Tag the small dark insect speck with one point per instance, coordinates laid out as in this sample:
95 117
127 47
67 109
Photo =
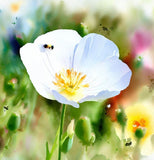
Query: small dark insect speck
45 46
48 46
128 144
104 28
6 107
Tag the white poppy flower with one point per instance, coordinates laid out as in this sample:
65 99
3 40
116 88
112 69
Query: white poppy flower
64 66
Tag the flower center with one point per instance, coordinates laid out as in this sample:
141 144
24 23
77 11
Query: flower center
70 83
139 124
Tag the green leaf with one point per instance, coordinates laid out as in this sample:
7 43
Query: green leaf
54 147
47 152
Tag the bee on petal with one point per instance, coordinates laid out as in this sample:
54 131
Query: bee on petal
49 46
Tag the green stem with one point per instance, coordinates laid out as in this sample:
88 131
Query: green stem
84 154
61 129
54 145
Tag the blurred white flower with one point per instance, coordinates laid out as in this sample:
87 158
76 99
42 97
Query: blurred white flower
71 69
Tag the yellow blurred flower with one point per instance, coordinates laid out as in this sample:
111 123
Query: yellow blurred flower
140 117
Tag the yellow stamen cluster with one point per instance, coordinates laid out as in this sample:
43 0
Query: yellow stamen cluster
69 83
139 124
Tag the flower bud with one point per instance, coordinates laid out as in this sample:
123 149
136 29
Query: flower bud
121 117
84 29
67 144
138 63
13 122
10 85
83 130
70 129
139 133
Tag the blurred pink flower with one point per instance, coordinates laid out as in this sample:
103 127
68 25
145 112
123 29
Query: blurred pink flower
140 41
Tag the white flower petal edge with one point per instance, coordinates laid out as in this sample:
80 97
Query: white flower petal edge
111 75
40 76
100 96
63 100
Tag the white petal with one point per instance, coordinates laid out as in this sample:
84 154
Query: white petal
64 42
93 49
100 96
39 73
110 75
63 100
98 58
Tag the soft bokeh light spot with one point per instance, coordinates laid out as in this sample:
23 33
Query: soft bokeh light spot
15 7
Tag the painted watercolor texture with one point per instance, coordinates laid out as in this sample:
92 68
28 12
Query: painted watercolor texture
77 80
